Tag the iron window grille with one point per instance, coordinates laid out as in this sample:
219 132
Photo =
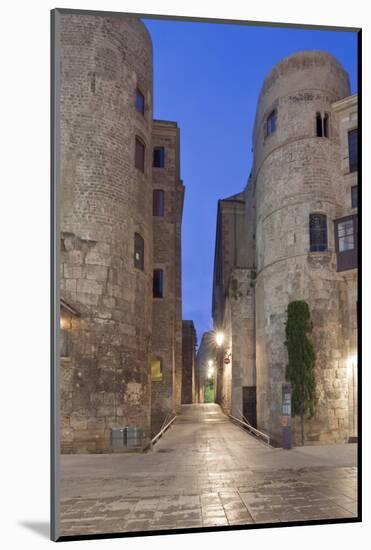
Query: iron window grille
318 232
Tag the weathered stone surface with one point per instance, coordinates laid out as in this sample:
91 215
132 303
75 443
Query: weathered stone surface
295 173
105 200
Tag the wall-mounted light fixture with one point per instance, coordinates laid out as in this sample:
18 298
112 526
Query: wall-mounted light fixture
219 338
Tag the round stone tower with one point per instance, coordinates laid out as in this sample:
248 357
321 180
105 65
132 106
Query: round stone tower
105 227
296 168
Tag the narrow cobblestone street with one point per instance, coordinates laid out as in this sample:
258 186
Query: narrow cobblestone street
205 471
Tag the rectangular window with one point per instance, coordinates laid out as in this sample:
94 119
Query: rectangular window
139 101
346 235
65 343
318 232
158 283
346 242
353 150
158 202
159 157
354 192
271 123
139 154
138 251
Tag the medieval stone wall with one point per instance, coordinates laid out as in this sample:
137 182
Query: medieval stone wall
296 173
105 200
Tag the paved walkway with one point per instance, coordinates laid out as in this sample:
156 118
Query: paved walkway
205 471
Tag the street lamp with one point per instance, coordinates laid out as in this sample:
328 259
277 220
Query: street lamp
219 338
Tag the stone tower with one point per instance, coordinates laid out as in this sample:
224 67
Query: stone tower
106 226
296 174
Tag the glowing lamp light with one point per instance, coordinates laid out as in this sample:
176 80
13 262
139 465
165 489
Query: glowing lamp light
219 338
210 372
351 362
210 363
65 323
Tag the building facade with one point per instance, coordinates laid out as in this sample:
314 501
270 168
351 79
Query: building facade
168 192
189 382
112 238
299 243
205 363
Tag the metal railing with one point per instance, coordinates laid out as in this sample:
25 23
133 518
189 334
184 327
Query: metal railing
165 425
246 424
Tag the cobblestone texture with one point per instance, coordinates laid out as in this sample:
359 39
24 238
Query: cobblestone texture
206 472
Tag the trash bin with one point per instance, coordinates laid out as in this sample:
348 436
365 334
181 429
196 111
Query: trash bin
117 437
133 437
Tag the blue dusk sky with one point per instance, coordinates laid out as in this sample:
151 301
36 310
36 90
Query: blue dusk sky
207 77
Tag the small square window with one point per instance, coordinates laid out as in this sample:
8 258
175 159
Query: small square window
139 101
354 192
158 283
159 157
139 154
271 123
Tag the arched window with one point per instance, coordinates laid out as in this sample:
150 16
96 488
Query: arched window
156 369
318 232
322 125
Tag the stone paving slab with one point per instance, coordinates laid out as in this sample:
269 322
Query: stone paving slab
206 472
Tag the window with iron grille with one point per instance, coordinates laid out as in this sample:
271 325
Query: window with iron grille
271 123
138 251
158 283
354 192
139 101
139 154
158 202
318 232
346 242
159 157
353 150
